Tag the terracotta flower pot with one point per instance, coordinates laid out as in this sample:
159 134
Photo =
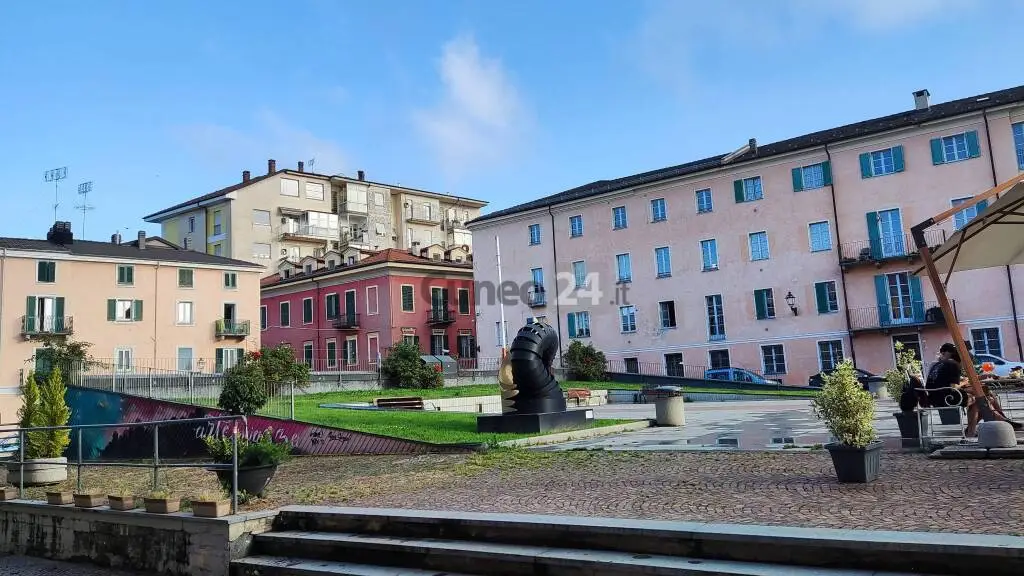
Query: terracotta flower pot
59 498
211 509
89 500
162 505
122 502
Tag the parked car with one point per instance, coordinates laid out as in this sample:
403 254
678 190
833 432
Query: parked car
739 375
1000 366
863 376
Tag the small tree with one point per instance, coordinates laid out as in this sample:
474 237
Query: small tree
249 385
28 414
897 377
72 357
847 410
406 368
585 362
52 411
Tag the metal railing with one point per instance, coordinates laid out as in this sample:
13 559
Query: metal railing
440 316
422 217
231 328
537 297
155 465
32 325
309 230
346 321
914 313
886 247
353 207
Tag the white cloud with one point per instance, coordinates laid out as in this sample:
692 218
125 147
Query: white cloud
883 15
480 118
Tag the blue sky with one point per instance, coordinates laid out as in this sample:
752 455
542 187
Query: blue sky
504 101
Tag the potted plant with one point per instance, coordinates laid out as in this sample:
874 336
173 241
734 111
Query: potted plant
257 460
89 499
59 498
122 499
211 505
8 493
848 412
162 502
43 405
896 379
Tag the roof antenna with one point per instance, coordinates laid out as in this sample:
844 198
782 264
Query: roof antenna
83 190
55 176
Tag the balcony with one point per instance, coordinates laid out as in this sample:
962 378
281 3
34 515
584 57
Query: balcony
916 314
885 249
346 321
32 326
231 328
440 316
306 232
421 217
537 298
359 208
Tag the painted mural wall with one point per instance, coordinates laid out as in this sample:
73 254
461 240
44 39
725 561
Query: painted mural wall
91 406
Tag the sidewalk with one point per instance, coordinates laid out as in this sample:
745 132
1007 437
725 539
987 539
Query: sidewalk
24 566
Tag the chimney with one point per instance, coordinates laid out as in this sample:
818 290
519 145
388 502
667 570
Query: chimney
753 146
115 238
361 175
302 166
142 239
271 166
246 175
921 99
60 233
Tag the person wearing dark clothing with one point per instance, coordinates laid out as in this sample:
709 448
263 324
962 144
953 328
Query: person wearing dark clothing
945 374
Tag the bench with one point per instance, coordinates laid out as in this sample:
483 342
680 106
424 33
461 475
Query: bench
399 403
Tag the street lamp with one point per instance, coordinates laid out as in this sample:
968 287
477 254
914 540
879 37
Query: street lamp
791 301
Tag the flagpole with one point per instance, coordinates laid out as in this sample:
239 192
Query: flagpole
501 303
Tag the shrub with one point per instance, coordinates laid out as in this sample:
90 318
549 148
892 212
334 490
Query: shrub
249 385
28 414
260 452
847 409
899 375
406 368
585 362
45 405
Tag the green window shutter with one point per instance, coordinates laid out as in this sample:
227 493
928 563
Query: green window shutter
882 298
30 310
219 361
826 172
58 314
239 354
51 268
874 236
798 179
571 323
897 158
737 187
982 205
111 310
937 156
136 310
131 274
760 304
917 298
821 297
973 148
865 165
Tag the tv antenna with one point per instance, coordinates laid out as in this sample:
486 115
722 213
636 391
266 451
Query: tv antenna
311 163
83 191
55 176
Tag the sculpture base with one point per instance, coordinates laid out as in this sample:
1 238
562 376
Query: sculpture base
533 423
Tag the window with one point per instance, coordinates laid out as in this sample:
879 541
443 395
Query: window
263 318
407 298
218 250
534 234
820 236
463 296
663 262
575 226
1018 143
774 358
124 359
289 187
185 359
764 304
307 310
674 364
718 359
748 189
46 272
704 203
332 353
955 148
227 358
186 278
124 310
372 302
667 312
987 341
498 334
579 273
231 280
307 353
881 162
216 223
314 191
627 318
759 246
125 275
659 213
191 224
624 267
709 254
830 354
812 177
825 297
961 218
579 324
378 199
186 312
632 365
260 250
716 317
186 243
332 306
260 217
537 276
286 314
618 217
308 268
350 352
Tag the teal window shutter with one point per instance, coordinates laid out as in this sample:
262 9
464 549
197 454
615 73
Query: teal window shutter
917 298
874 236
737 188
30 312
973 148
58 314
897 158
239 354
136 310
219 361
798 179
131 274
821 297
571 323
760 304
937 156
882 298
865 165
111 310
982 205
51 271
826 172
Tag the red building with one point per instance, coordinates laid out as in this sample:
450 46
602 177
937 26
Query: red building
341 316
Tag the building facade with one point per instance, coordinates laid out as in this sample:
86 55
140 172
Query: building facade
344 317
285 215
146 304
781 259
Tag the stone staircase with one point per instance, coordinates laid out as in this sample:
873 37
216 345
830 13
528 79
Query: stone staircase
315 541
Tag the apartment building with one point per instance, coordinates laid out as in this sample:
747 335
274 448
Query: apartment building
782 258
136 303
285 215
343 316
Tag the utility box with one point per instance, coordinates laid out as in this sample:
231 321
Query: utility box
449 366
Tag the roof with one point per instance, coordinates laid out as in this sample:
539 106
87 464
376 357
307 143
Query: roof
211 196
813 140
122 251
387 255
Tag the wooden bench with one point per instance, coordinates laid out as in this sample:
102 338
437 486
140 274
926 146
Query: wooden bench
400 403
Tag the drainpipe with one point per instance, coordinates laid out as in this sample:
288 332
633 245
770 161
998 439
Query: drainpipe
554 257
156 306
316 324
1009 276
3 281
842 273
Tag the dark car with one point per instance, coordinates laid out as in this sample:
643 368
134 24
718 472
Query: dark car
863 376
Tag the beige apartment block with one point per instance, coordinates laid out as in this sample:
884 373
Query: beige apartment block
284 216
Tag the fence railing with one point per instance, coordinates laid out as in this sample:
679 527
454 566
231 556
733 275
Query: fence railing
914 313
886 247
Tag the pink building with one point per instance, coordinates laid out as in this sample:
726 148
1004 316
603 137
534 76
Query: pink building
340 318
781 258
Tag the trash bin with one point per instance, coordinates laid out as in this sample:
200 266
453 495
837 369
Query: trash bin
668 406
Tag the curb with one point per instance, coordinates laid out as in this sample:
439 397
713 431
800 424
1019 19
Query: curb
577 434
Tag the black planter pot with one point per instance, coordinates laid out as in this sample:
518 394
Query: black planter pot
910 428
856 465
949 416
253 480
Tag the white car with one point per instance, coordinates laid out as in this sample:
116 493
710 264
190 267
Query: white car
1000 366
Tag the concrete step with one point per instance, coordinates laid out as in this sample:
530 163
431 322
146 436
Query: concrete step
496 559
274 566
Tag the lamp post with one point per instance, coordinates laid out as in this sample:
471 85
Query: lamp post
791 302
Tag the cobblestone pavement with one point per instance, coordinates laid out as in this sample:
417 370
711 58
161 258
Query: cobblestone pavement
23 566
769 488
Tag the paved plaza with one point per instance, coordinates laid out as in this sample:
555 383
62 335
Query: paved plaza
22 566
